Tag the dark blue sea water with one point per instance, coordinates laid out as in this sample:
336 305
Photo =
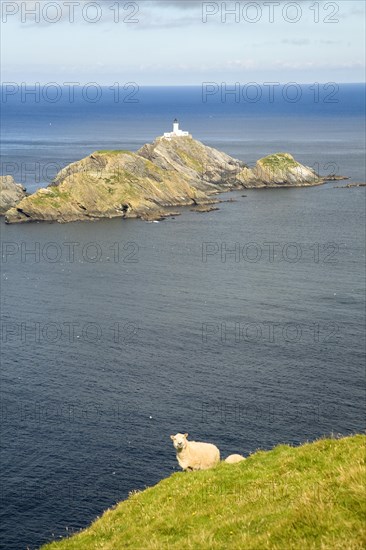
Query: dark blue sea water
243 326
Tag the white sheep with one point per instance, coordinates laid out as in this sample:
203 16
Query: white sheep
233 459
193 455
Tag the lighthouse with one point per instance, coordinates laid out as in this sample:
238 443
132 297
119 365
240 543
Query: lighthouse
176 131
175 126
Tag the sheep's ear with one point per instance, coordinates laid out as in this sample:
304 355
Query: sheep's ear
186 435
172 437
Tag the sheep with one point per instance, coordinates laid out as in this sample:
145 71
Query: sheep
233 459
193 455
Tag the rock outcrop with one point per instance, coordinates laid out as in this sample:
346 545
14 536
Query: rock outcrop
167 173
280 169
10 193
349 186
194 160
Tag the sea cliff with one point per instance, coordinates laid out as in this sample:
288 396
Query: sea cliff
10 193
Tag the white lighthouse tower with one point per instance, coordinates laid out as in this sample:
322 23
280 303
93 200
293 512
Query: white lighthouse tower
176 131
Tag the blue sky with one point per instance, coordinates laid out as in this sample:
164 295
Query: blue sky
167 42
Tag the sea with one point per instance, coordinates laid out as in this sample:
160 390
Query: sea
242 326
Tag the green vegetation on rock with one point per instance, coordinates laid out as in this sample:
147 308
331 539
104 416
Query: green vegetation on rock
191 161
307 497
53 196
279 161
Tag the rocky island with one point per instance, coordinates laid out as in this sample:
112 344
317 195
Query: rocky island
174 170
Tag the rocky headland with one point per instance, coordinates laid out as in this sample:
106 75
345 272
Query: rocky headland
167 173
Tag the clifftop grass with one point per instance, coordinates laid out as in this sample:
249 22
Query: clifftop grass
308 497
279 161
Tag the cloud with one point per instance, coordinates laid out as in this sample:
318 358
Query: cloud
239 64
135 14
330 42
305 65
296 41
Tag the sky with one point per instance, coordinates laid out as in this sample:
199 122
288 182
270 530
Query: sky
182 42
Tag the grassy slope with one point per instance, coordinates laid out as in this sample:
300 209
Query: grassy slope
311 496
279 161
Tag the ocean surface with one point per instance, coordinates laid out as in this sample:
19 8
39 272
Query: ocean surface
243 326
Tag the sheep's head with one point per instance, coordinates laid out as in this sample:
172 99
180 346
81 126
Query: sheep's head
179 441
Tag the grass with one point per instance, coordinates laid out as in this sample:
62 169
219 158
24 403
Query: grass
191 161
309 497
53 197
279 161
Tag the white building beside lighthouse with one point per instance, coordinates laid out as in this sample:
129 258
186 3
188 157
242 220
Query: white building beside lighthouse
176 132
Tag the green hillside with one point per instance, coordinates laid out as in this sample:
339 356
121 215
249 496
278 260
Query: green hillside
305 497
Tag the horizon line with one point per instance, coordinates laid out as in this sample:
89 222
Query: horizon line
79 84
